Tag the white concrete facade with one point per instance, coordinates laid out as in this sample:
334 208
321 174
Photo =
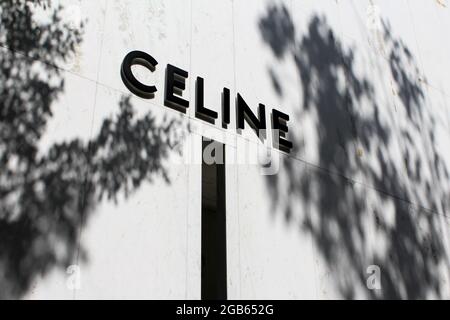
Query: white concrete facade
367 88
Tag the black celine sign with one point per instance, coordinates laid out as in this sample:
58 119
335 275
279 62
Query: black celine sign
175 84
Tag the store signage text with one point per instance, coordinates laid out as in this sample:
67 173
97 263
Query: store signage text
175 84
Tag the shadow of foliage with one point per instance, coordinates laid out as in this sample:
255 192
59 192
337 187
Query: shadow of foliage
46 199
380 188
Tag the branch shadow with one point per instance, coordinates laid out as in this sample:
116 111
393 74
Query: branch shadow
46 199
393 218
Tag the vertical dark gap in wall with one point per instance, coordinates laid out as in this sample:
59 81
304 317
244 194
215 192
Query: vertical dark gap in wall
214 258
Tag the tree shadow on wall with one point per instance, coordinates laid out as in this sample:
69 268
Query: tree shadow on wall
378 192
46 199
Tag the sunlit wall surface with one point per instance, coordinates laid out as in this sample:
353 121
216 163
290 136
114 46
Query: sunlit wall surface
101 191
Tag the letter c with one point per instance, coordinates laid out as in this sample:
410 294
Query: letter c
130 81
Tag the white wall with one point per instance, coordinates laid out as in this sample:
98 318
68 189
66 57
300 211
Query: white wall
344 199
